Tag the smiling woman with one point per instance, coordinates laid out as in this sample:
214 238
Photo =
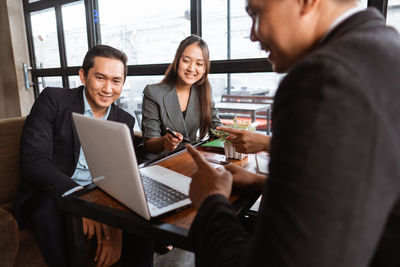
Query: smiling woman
182 101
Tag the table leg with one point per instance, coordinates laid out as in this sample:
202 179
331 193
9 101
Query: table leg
253 116
268 121
76 240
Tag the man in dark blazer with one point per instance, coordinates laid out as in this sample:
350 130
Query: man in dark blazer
332 195
53 164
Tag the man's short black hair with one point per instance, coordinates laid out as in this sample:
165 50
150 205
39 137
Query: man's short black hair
103 51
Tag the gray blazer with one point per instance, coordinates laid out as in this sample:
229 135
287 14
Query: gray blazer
161 109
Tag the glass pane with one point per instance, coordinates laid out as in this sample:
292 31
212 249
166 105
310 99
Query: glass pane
76 44
241 84
241 46
49 82
245 84
218 85
145 33
215 30
214 27
74 81
45 42
363 3
132 94
393 14
33 1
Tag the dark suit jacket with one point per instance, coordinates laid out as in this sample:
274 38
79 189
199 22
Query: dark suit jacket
161 109
332 196
49 142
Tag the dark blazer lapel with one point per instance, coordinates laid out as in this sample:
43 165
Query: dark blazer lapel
113 115
368 16
77 107
174 113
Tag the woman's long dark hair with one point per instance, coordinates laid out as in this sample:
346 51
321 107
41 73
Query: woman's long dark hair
202 85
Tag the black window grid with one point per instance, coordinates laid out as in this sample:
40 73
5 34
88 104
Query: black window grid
250 65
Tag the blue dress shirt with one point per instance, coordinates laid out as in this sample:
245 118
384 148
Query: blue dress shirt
82 174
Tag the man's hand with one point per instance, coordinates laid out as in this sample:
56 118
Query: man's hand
91 227
170 143
245 141
245 179
109 251
207 180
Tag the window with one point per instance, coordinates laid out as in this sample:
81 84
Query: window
263 83
75 34
363 3
228 36
132 93
49 82
74 81
44 33
147 31
215 27
60 32
393 14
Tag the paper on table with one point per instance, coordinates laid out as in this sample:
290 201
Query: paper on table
262 160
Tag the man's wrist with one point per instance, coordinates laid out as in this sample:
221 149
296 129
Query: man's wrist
266 143
208 196
258 181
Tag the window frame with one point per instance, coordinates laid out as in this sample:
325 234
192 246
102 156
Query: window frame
228 66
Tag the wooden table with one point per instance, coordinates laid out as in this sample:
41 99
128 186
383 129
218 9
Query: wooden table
171 228
245 108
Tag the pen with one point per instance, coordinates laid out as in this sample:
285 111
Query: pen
221 162
172 133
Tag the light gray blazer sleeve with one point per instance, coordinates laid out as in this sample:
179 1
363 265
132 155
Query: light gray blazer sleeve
215 120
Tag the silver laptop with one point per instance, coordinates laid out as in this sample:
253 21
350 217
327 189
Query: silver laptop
109 152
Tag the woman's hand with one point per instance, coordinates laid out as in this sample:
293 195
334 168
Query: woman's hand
170 142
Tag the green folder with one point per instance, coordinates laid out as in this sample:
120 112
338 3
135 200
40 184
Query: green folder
214 144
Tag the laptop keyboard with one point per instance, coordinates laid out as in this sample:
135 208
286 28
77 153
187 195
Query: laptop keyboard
159 194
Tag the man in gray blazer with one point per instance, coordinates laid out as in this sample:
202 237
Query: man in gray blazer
332 197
